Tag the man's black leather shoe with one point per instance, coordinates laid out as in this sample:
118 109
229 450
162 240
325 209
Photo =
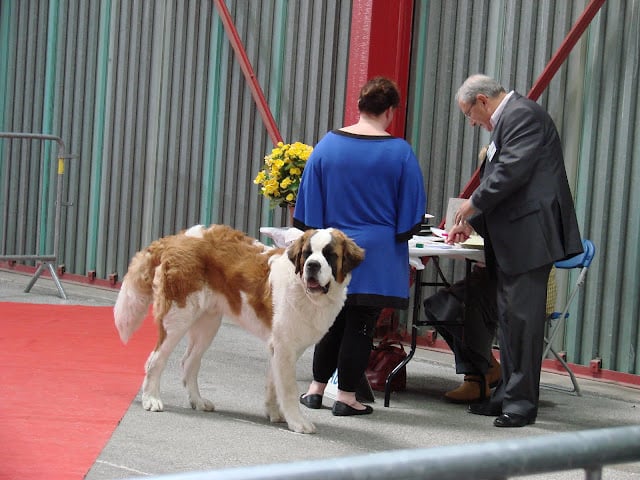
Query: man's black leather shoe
510 420
485 408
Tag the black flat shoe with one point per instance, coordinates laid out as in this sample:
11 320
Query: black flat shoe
341 409
311 401
485 408
511 420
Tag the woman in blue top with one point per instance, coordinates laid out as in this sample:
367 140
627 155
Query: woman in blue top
368 184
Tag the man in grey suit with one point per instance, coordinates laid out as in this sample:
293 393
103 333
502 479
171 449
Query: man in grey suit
524 210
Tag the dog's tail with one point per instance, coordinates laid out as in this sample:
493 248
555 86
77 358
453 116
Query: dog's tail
135 296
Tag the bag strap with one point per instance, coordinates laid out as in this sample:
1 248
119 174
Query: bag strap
390 340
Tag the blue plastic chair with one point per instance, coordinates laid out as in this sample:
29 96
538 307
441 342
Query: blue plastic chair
556 319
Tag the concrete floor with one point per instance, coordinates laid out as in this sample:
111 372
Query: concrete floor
237 434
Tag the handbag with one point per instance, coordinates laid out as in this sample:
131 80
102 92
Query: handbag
384 357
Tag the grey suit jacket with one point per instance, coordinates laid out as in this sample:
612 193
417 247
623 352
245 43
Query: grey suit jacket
527 214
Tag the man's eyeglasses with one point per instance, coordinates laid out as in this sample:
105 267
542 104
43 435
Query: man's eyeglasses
468 112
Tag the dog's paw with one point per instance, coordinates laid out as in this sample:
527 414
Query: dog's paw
276 417
273 412
301 426
152 403
202 404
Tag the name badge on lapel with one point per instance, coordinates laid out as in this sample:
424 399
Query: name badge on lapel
491 151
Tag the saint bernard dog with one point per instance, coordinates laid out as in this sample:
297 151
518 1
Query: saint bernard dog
288 297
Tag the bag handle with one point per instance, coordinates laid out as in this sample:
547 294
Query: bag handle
390 340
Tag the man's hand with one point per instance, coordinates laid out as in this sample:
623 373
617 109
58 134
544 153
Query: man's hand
465 211
459 233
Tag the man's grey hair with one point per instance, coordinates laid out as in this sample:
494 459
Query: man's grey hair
477 84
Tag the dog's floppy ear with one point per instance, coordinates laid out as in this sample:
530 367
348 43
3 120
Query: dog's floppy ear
294 252
353 255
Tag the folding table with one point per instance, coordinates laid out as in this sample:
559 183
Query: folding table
426 247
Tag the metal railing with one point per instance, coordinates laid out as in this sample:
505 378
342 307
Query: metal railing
49 261
589 450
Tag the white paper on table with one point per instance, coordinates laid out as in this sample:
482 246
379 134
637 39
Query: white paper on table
438 232
474 241
429 240
282 236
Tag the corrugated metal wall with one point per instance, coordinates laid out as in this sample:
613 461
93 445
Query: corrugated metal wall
607 134
594 101
152 100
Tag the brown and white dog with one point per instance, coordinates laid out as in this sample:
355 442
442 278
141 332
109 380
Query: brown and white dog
289 298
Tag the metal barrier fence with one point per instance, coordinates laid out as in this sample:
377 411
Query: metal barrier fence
588 450
49 261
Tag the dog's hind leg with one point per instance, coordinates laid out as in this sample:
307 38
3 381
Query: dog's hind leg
154 367
200 336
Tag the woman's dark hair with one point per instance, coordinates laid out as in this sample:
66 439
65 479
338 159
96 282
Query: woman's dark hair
377 95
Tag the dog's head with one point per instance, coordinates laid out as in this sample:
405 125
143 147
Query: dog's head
323 256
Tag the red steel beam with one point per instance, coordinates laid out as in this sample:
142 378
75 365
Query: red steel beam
550 70
380 44
247 70
565 48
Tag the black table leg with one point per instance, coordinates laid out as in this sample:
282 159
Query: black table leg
417 298
415 318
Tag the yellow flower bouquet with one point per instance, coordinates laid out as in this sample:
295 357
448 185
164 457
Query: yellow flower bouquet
279 179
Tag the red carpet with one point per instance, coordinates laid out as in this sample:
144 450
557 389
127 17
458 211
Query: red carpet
66 381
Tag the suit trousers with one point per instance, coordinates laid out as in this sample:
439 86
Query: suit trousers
521 305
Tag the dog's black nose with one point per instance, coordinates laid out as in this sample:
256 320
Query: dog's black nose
312 266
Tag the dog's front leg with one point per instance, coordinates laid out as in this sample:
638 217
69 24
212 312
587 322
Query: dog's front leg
283 371
271 401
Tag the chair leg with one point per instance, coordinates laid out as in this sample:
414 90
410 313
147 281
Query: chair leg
574 381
